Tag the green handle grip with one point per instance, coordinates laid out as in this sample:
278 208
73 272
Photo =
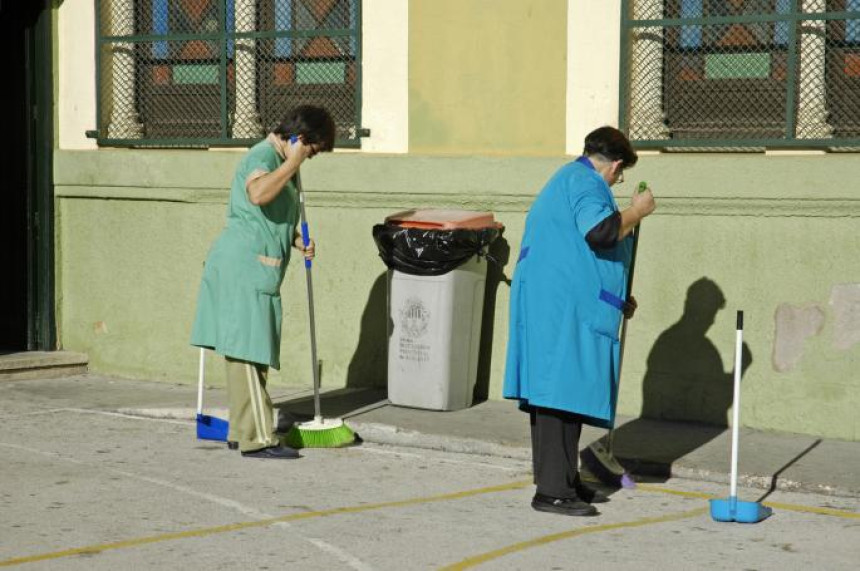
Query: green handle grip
643 186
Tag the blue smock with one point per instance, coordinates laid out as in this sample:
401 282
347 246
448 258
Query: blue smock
566 300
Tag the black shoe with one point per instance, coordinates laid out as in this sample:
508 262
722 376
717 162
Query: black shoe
590 495
280 452
232 445
562 506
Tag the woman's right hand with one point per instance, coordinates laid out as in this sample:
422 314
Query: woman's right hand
643 202
298 150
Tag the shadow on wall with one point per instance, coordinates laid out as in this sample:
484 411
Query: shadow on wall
498 255
368 367
684 381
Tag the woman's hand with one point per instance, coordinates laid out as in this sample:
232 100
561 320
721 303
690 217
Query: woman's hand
630 308
299 245
298 150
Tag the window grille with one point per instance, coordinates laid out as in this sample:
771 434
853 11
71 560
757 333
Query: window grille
741 74
224 72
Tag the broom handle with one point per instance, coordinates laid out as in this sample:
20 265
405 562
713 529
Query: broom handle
736 408
306 239
200 381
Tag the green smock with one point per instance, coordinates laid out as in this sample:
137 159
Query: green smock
239 303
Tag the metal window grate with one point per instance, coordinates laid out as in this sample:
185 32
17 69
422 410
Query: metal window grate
741 74
223 72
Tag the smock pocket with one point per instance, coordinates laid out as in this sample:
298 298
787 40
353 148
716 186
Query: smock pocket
606 318
268 274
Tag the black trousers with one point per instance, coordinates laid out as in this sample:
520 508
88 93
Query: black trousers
555 451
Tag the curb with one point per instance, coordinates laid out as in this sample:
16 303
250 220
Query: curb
391 435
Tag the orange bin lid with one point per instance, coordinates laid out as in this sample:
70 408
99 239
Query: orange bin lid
433 219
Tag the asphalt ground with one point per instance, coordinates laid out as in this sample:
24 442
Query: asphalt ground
86 484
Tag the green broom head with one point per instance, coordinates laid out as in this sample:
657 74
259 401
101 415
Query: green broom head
320 433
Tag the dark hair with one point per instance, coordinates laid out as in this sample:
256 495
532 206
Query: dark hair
610 143
314 123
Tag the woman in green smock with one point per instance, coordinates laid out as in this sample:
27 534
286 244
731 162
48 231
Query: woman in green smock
239 303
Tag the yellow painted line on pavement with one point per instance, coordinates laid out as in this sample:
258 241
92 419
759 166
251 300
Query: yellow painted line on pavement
775 505
536 542
93 549
543 540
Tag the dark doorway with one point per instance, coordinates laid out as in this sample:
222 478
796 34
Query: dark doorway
26 215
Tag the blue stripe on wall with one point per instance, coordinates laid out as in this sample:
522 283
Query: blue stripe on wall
353 17
283 22
780 29
230 25
691 36
852 27
160 18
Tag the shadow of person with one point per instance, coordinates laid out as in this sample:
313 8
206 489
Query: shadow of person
498 254
684 383
366 377
685 379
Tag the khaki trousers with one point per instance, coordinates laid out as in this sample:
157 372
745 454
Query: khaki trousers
251 412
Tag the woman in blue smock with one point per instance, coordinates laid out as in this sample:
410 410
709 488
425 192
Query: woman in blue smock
239 303
567 302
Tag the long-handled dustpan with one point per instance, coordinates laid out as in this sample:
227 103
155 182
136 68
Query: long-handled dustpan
208 427
319 432
731 508
597 456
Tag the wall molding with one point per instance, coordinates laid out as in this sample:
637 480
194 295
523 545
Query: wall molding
688 206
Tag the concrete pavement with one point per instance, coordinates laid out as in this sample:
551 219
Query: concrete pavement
652 450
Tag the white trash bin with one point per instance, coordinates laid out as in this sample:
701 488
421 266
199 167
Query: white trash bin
435 322
436 333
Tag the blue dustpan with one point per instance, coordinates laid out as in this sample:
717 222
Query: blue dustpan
731 508
208 427
211 428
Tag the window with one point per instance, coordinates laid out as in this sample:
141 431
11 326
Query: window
221 72
843 70
741 73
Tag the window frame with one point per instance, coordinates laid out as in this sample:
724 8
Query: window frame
226 42
789 138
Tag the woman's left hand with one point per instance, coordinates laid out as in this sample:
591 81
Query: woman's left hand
630 307
308 252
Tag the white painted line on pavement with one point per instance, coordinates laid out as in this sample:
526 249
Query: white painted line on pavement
93 411
344 557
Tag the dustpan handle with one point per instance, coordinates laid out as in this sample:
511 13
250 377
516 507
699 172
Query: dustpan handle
736 403
200 381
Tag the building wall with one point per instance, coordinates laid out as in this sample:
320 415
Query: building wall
487 76
774 234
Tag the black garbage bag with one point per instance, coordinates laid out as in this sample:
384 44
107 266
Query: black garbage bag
424 252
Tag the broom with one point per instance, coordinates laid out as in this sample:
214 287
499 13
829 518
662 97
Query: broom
319 432
600 459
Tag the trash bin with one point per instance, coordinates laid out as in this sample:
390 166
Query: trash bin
435 303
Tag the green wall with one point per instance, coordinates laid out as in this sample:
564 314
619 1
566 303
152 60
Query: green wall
487 76
134 228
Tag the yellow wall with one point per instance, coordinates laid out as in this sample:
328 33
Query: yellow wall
487 76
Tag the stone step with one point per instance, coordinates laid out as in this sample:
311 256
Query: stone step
41 365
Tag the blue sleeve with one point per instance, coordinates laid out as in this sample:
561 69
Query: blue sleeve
589 204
